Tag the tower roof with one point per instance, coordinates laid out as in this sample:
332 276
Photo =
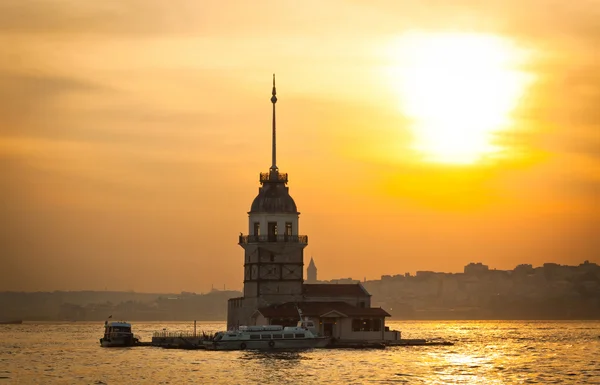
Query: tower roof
311 264
274 196
274 144
320 308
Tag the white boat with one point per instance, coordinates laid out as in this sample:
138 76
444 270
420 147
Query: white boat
269 337
117 334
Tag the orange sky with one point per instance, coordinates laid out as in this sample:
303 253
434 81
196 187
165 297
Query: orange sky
132 133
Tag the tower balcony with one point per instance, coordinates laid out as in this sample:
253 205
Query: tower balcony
245 239
273 177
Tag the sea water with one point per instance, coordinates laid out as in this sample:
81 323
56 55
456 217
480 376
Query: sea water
484 352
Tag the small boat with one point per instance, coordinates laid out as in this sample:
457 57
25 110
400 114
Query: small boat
269 337
118 334
12 322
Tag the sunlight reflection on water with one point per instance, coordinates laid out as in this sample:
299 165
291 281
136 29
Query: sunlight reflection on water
485 353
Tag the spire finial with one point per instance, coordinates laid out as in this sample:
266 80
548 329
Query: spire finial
274 92
274 155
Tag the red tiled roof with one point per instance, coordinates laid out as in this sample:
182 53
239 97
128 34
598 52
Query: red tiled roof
317 309
333 290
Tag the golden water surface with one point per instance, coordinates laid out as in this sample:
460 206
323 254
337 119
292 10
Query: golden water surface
485 352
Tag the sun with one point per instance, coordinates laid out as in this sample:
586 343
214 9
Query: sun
458 91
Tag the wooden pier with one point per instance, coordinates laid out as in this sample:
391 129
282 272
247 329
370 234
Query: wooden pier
197 340
418 342
194 342
354 344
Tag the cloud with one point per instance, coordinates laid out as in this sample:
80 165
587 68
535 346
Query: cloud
588 145
538 20
28 98
103 17
534 19
156 18
565 109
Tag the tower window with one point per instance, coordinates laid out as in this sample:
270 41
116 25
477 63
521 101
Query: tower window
272 231
256 228
272 257
288 228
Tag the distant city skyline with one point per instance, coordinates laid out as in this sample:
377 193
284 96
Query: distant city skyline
475 267
550 291
415 136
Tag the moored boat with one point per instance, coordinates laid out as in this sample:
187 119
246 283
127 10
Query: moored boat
267 337
118 334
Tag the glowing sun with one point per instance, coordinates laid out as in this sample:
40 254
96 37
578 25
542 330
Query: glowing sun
458 91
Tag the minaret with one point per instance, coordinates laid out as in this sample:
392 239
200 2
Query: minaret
273 248
311 272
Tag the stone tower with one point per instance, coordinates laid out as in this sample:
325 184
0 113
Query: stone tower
273 248
311 272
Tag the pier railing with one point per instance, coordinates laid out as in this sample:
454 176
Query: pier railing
166 334
245 239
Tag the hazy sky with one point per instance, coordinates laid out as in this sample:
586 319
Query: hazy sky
132 134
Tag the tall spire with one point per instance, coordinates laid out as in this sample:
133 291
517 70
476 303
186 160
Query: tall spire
274 155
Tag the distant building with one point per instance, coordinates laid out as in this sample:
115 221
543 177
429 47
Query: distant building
343 281
523 269
426 274
587 266
476 268
274 285
311 272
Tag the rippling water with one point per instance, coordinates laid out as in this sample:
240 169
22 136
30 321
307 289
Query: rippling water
485 352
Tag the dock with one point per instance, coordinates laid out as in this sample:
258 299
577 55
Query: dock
196 341
358 344
418 342
189 341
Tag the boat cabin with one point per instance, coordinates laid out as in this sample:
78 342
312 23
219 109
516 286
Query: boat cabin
306 324
117 327
262 335
304 329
